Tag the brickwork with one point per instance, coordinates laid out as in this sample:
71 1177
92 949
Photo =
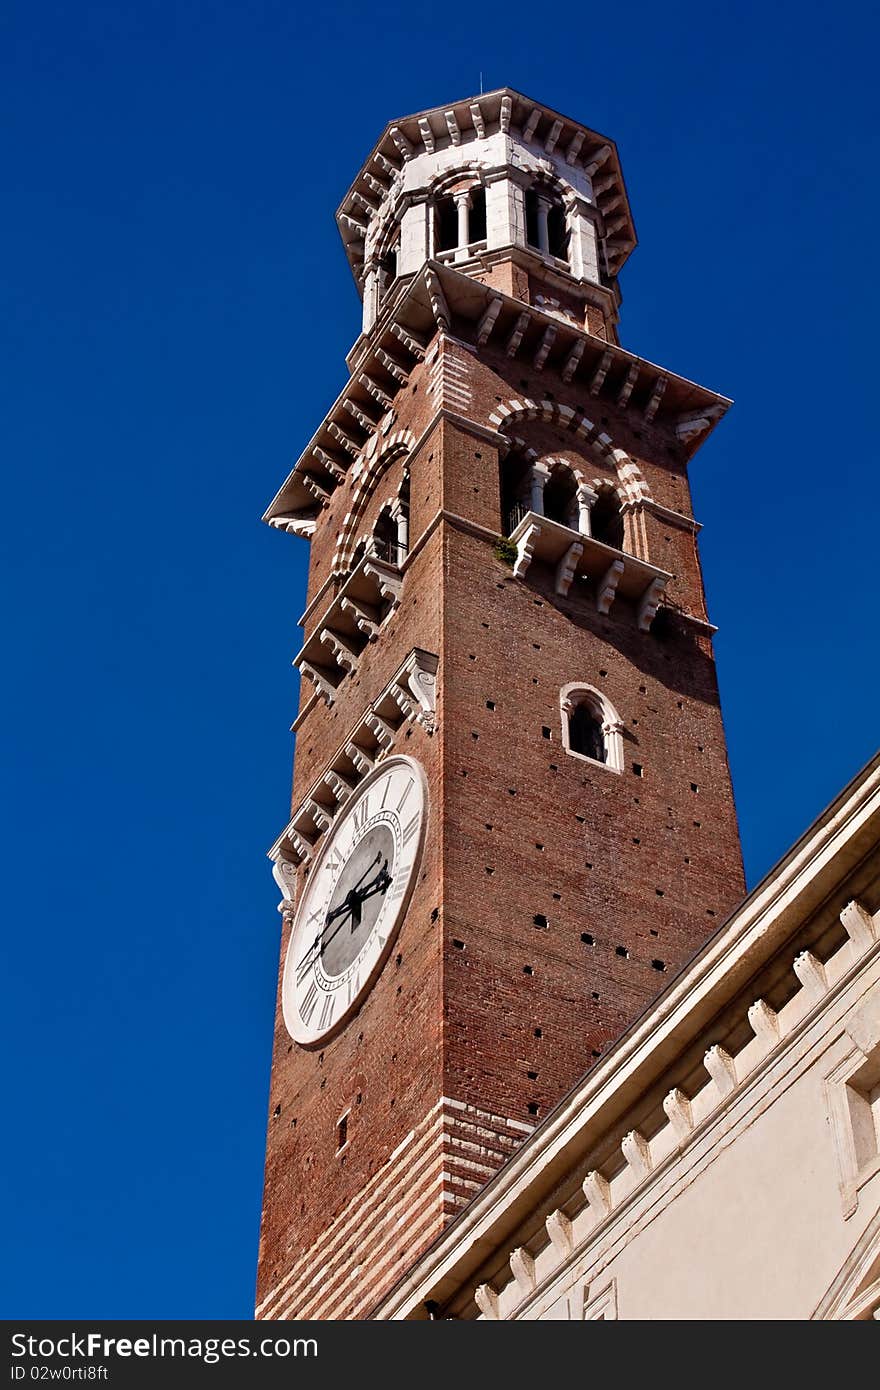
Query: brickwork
626 874
556 895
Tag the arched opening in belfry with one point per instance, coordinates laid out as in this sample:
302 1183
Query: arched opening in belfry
532 217
445 224
477 216
388 269
516 477
546 222
557 232
560 497
606 519
384 544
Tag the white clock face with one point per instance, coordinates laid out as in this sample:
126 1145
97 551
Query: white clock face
354 901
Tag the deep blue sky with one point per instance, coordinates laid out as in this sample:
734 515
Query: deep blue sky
177 307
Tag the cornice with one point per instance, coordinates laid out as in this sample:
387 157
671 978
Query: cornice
467 125
441 300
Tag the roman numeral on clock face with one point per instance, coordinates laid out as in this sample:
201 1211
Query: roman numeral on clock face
327 1011
305 966
406 791
334 863
307 1007
409 830
361 813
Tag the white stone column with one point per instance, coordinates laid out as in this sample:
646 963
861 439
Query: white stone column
586 500
540 475
543 230
401 520
462 206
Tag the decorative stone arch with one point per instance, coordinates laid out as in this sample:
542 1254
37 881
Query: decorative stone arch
396 445
386 234
544 178
578 695
606 485
566 417
554 464
525 450
470 173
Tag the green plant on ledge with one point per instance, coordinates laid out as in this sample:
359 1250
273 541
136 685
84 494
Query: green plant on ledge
505 550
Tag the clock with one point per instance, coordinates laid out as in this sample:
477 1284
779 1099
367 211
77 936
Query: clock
354 901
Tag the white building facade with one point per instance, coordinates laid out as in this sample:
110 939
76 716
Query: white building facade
723 1161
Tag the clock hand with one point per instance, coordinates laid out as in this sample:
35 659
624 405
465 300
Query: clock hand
367 870
319 943
337 912
350 898
318 946
322 942
380 884
352 904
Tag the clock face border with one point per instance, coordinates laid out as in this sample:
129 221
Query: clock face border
309 1037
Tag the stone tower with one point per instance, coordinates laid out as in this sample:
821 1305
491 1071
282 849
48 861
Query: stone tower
512 816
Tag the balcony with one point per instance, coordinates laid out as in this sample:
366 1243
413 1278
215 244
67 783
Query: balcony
461 253
611 573
367 598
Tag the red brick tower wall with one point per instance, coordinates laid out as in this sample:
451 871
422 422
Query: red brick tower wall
555 896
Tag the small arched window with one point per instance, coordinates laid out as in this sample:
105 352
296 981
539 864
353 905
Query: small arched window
591 726
585 734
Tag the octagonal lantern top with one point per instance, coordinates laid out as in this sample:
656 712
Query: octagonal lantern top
492 131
